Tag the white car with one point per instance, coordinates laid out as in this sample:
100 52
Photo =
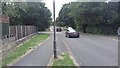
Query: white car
71 33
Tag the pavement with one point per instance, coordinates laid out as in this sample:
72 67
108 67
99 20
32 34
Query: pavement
42 54
38 57
88 50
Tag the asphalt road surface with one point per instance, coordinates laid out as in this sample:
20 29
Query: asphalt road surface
93 50
88 50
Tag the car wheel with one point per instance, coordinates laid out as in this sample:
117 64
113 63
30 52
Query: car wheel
68 36
65 35
78 36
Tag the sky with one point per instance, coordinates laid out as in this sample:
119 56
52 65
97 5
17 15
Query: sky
58 5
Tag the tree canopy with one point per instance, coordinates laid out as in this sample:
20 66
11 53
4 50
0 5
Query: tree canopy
91 16
28 13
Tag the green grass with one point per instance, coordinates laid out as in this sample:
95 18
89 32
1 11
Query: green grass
64 62
24 48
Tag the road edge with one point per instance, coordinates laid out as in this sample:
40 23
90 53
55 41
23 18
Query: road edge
70 52
71 55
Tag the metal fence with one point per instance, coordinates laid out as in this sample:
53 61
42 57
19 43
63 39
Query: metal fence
17 35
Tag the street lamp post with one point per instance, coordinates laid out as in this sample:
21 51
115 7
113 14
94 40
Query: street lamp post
54 41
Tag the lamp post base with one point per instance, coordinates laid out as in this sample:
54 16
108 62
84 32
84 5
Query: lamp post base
55 51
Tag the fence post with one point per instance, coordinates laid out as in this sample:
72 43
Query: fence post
26 30
16 33
9 33
31 30
21 32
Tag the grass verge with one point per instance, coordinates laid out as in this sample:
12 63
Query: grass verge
34 41
63 61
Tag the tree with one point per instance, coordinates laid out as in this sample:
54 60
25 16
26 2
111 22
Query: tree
64 16
92 16
28 13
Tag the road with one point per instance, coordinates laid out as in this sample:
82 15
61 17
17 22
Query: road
88 50
93 50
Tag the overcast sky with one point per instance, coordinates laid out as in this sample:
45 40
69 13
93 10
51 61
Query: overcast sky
59 4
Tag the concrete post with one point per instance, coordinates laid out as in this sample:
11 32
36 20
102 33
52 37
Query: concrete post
21 31
16 33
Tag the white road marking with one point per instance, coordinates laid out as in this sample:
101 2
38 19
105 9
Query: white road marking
106 37
110 38
70 51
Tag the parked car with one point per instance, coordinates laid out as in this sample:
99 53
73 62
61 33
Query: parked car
71 33
118 31
59 29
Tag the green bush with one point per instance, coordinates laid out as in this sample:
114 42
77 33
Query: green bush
106 30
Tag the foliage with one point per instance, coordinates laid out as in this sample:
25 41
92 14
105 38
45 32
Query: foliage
64 16
28 13
64 61
91 14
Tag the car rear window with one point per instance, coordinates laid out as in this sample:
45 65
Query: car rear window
72 30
